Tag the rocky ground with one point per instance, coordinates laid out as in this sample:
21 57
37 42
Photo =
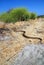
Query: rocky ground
15 49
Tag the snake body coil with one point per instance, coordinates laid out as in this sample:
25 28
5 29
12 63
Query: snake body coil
30 36
24 35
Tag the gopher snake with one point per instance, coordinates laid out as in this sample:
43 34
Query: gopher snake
24 35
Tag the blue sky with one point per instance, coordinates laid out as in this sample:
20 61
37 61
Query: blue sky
36 6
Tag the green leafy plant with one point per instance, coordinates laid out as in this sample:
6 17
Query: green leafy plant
18 14
33 16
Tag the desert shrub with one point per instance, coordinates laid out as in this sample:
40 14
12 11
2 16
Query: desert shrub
33 16
6 17
3 17
18 14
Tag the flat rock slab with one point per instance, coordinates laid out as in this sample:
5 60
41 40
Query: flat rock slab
29 55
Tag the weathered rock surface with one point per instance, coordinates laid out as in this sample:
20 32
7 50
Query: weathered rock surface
30 55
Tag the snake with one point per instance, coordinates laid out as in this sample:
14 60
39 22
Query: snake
29 37
24 34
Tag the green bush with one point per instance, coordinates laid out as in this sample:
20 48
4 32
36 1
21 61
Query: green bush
33 16
6 17
18 14
3 17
